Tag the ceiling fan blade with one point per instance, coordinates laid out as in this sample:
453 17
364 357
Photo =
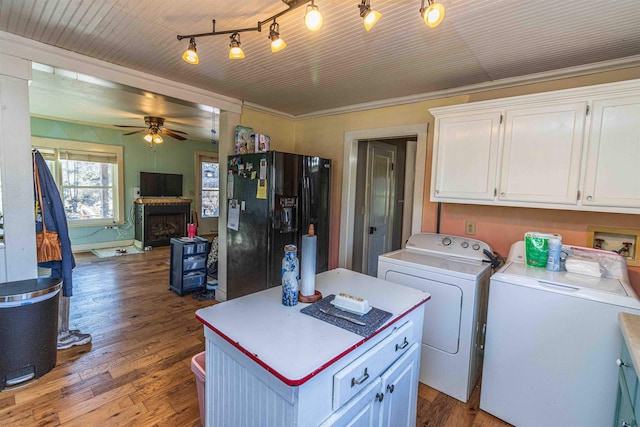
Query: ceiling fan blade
177 131
173 135
136 131
125 126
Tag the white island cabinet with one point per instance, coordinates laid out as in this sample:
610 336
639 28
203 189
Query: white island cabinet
271 365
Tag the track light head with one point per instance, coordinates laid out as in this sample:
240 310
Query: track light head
277 44
191 55
369 17
313 18
432 15
236 51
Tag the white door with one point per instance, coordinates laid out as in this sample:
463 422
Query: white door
361 411
207 184
379 204
612 175
400 388
466 153
542 152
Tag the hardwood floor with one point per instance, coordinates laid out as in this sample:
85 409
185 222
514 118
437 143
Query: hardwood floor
137 370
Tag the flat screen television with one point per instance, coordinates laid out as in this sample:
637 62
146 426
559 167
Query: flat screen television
153 184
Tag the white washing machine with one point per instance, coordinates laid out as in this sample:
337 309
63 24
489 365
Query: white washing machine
455 271
552 343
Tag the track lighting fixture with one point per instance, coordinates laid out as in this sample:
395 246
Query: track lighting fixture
313 18
432 15
191 55
277 44
369 17
236 51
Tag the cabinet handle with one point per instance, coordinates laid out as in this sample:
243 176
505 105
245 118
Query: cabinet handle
502 194
625 424
380 396
361 380
390 388
404 344
620 363
589 198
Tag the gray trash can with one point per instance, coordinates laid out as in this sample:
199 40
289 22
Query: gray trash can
28 329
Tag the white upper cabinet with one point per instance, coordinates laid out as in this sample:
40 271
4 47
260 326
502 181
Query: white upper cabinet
466 156
573 149
612 172
541 154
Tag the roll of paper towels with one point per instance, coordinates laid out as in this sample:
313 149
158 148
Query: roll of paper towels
308 267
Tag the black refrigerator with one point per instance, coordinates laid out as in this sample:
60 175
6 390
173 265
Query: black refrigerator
273 197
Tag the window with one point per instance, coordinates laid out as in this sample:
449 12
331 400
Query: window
210 190
89 178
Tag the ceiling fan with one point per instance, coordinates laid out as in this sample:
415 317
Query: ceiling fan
155 127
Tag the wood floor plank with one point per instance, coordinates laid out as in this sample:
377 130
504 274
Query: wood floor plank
137 369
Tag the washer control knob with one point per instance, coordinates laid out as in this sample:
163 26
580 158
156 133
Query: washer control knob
476 247
446 241
465 244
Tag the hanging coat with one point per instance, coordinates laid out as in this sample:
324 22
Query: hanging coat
56 220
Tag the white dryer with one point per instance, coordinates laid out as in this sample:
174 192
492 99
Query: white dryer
455 271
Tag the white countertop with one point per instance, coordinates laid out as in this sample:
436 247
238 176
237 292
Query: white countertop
294 346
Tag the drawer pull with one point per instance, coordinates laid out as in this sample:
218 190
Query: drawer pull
404 344
379 396
390 388
361 380
620 363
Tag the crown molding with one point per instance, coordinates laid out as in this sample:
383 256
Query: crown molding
597 67
35 51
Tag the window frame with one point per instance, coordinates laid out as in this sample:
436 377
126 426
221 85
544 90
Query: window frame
54 146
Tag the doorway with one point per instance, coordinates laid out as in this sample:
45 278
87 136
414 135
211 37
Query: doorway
414 140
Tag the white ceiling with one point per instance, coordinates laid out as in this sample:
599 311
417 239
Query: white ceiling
479 41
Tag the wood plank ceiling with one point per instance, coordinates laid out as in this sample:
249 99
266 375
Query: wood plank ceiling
342 64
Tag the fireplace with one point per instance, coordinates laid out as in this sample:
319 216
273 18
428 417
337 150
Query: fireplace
158 220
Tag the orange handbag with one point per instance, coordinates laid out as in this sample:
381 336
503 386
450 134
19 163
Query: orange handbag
48 247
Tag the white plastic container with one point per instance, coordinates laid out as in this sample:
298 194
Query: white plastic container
198 368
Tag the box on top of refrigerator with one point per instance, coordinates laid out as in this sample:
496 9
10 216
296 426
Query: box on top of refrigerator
261 142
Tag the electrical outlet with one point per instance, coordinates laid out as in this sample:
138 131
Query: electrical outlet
470 227
136 192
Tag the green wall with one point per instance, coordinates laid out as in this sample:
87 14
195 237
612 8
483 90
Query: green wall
172 156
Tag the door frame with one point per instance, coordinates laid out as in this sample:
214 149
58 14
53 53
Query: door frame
199 155
350 160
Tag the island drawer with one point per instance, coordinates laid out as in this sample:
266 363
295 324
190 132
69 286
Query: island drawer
361 372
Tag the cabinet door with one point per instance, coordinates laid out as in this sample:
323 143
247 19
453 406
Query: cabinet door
361 411
465 157
542 154
612 173
400 388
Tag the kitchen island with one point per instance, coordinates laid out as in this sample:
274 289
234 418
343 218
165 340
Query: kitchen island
271 365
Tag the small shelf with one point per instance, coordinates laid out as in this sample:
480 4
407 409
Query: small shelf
188 264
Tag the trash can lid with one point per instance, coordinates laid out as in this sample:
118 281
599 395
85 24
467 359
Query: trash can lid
26 289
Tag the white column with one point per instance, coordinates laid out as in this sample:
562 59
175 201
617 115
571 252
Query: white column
18 257
228 123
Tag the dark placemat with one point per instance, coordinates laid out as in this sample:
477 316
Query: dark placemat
373 318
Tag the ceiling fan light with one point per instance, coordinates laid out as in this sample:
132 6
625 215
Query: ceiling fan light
371 19
191 55
313 18
157 139
433 15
